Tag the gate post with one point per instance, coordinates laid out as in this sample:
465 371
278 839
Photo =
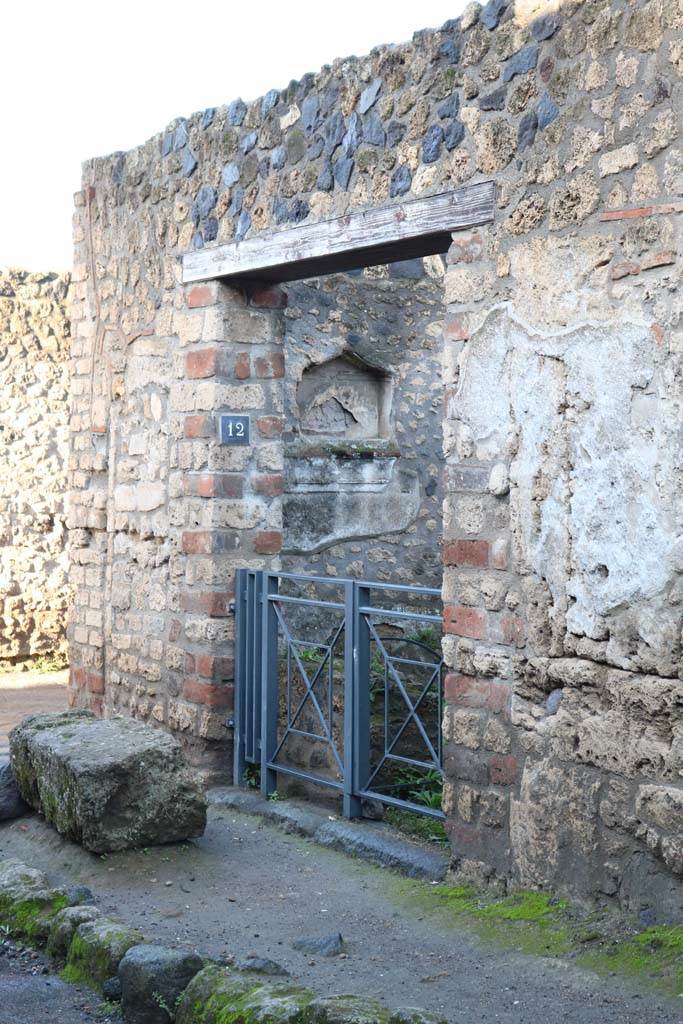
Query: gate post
351 805
240 676
358 708
269 687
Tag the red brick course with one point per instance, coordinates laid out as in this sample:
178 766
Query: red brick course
197 691
201 295
463 621
268 542
467 552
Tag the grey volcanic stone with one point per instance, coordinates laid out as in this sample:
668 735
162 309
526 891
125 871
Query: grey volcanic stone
395 133
180 136
269 101
189 163
310 109
526 132
454 134
11 804
431 144
237 111
373 130
491 14
369 96
401 181
547 111
248 142
343 169
153 977
545 26
207 118
522 62
450 106
326 178
260 965
321 945
243 225
354 135
493 100
278 158
230 175
107 784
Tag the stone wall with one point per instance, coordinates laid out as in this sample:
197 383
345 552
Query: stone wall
365 500
562 381
34 440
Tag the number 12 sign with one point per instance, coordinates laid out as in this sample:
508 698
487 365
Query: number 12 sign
233 429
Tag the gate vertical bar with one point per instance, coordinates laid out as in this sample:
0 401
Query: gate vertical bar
361 690
238 761
269 681
351 806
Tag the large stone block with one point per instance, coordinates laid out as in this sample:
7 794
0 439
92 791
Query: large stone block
108 785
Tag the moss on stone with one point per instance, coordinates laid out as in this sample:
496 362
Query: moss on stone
540 924
655 954
97 947
29 917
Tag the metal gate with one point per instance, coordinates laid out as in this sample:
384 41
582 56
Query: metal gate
339 683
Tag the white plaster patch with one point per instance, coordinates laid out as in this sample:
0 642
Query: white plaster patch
591 427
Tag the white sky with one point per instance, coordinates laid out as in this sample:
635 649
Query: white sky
81 79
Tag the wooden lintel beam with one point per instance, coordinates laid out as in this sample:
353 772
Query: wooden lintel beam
419 227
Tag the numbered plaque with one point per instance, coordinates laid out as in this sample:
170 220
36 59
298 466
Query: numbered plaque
233 429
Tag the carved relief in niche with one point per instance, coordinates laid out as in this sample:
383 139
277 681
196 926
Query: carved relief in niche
344 398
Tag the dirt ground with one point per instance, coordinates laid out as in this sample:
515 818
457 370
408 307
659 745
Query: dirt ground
247 888
28 693
28 986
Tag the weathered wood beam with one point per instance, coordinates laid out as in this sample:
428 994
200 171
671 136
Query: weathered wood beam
403 231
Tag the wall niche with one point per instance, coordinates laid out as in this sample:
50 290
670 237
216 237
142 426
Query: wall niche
344 398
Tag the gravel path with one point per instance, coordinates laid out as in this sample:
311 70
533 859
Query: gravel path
247 888
30 993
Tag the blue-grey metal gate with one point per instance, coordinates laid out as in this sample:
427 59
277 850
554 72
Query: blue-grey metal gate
339 683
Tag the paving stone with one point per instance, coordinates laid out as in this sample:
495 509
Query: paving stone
152 978
321 945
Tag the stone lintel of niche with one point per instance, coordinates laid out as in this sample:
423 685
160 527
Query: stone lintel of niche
325 449
401 231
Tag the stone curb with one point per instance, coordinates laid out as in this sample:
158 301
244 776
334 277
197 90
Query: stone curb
371 841
157 984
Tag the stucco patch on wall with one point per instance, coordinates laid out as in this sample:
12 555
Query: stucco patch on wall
591 432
